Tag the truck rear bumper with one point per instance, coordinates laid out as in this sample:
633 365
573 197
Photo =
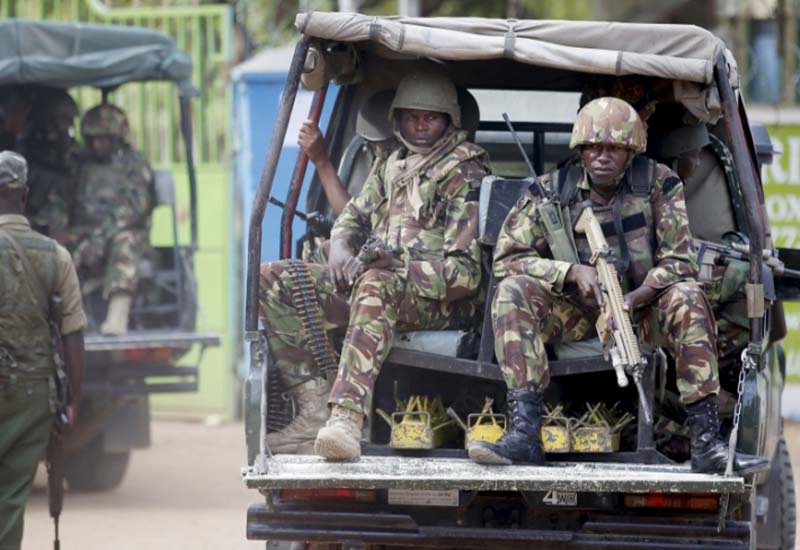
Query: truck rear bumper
393 472
401 529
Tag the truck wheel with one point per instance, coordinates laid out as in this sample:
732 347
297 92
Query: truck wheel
788 509
781 488
90 469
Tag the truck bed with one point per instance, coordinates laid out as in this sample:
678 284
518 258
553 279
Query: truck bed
393 472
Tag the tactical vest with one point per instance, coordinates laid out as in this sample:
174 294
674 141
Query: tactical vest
632 236
25 345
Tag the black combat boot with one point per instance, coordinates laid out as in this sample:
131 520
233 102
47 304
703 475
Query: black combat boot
709 452
523 441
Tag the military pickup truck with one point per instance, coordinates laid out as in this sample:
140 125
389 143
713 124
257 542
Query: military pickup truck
122 371
640 492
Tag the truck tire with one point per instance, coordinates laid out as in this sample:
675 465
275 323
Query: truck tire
91 469
781 488
787 495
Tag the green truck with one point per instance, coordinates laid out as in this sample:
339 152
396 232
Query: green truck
640 494
122 371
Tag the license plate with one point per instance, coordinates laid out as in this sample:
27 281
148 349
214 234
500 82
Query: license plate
409 497
560 498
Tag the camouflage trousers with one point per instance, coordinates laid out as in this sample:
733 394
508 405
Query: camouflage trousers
376 308
526 314
112 265
725 292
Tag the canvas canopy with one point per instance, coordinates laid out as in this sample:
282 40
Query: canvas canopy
78 54
684 54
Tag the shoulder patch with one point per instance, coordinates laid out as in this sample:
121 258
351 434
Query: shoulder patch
670 183
469 150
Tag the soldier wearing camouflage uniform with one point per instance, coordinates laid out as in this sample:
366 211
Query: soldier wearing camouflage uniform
423 204
686 150
50 149
34 268
540 299
110 218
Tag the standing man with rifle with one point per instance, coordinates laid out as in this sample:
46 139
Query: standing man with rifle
544 297
37 279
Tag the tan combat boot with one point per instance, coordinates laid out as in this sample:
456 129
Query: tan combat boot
298 436
340 439
116 323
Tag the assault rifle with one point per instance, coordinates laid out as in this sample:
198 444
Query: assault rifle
710 254
55 449
614 323
552 213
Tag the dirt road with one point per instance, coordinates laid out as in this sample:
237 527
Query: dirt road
184 492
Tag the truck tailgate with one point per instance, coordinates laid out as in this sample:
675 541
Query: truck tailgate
142 339
393 472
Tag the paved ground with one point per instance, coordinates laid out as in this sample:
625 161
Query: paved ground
184 492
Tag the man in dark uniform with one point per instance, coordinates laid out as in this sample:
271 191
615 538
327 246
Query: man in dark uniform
34 268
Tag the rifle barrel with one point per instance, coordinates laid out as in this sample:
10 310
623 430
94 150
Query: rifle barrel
519 144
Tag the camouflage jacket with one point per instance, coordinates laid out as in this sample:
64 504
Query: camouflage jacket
428 219
111 197
656 230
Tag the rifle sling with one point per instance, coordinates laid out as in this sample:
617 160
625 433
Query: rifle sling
624 262
568 177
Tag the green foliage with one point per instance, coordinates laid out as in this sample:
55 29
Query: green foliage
272 23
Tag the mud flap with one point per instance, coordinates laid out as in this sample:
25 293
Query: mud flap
128 427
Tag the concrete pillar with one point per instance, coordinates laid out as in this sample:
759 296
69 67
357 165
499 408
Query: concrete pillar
350 6
409 8
787 21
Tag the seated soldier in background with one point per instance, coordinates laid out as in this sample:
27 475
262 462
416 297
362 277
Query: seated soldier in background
422 203
49 146
708 204
708 200
110 219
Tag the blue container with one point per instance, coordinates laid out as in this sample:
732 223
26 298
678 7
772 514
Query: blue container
257 87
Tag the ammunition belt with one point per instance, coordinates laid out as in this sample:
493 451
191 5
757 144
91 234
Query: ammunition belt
308 308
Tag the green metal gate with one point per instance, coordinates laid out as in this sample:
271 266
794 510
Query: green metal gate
205 33
202 31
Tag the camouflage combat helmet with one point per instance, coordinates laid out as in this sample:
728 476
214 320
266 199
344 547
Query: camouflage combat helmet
430 92
13 170
372 123
105 120
611 121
